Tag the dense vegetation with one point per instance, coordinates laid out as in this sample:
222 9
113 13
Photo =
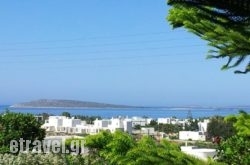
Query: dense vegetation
236 149
166 128
41 159
217 126
14 126
122 148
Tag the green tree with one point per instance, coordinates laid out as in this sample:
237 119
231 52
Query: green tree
45 116
88 119
219 127
153 123
66 114
14 126
74 145
169 128
241 123
148 152
192 125
235 150
117 148
121 149
96 144
224 24
137 127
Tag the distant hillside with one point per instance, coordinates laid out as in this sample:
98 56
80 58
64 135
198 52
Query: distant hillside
47 103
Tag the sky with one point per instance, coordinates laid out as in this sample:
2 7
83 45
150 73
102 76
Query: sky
120 52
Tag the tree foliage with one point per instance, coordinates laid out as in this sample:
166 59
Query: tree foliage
241 123
96 144
14 126
169 128
224 24
88 119
147 151
120 149
66 114
116 150
192 125
74 144
219 127
41 159
236 149
166 128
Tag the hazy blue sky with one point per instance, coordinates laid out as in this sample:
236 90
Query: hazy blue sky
121 52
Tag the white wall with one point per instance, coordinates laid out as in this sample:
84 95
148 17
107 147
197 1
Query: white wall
128 126
203 125
148 130
192 135
201 153
74 126
163 120
71 122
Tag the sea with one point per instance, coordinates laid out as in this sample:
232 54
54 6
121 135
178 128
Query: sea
150 112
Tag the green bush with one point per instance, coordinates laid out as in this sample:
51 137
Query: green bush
41 159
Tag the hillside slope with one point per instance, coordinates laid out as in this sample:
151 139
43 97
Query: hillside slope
46 103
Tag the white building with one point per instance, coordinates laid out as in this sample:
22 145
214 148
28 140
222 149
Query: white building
148 131
192 135
114 124
171 120
101 123
201 153
166 120
128 127
203 125
62 124
140 121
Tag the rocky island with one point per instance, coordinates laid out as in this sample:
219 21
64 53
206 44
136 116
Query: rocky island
53 103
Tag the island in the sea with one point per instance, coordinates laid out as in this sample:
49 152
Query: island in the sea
53 103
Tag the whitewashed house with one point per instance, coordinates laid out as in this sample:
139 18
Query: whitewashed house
203 125
114 124
140 121
166 120
62 124
147 131
192 135
171 120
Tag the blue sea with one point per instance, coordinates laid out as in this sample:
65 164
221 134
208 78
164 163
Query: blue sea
153 112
